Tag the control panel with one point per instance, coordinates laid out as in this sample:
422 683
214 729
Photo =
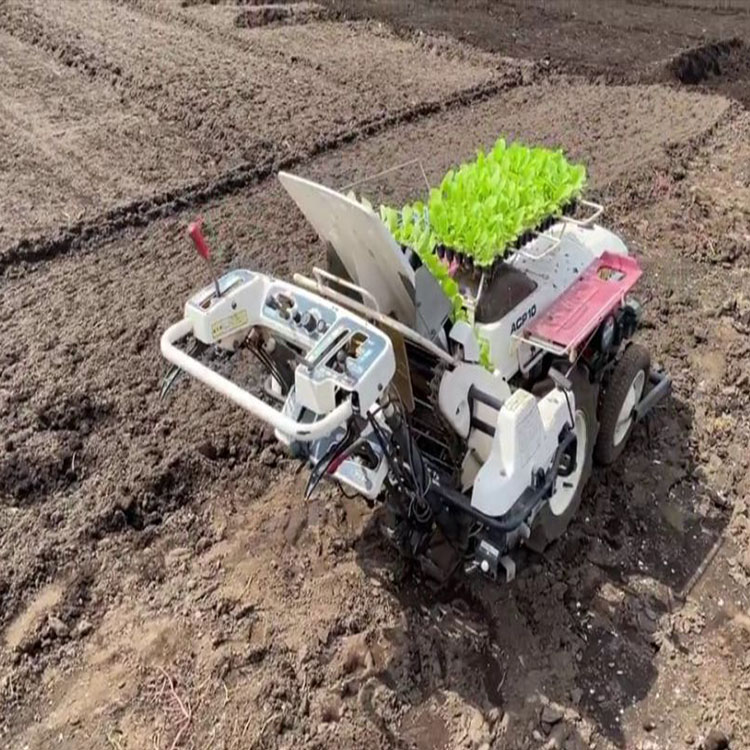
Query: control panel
343 355
299 312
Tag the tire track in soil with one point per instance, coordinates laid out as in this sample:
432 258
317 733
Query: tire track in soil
142 211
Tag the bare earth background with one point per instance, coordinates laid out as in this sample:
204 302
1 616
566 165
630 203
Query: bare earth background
162 583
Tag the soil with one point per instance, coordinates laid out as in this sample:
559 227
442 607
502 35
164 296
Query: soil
608 36
163 584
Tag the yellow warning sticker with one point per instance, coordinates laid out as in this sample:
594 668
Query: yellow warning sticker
227 325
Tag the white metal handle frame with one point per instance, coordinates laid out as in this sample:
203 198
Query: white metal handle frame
301 431
321 274
554 244
597 209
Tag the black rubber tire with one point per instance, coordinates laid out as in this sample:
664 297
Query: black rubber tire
547 527
634 360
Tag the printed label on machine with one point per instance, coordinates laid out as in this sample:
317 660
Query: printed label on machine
232 322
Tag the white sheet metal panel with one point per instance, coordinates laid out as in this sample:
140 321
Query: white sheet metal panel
369 253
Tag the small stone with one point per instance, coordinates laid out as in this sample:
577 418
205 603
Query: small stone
494 715
243 610
551 714
576 694
478 731
700 335
58 627
268 456
202 544
83 628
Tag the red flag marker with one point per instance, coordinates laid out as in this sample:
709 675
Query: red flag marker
195 231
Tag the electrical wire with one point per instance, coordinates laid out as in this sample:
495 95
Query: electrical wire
419 508
324 463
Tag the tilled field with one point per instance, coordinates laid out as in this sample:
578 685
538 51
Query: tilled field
162 582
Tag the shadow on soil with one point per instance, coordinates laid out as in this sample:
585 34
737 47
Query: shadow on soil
578 628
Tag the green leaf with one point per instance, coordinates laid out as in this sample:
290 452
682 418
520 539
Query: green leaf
481 207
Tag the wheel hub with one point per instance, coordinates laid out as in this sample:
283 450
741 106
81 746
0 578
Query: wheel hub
567 486
625 418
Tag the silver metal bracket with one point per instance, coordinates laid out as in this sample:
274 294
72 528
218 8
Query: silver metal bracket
509 566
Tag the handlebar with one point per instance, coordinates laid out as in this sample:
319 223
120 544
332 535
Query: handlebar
301 431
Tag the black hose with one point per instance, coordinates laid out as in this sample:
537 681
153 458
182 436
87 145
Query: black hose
325 461
270 365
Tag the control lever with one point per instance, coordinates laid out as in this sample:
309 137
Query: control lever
338 342
196 235
566 386
309 322
560 380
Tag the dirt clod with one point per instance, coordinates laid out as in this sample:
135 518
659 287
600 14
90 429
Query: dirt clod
551 714
715 740
57 627
82 628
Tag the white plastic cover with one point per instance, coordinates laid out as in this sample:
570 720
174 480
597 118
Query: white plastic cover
363 243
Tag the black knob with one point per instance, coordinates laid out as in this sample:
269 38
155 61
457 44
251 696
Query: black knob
296 317
309 322
322 326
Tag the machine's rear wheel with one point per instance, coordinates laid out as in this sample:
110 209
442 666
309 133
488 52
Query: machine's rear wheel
623 393
553 520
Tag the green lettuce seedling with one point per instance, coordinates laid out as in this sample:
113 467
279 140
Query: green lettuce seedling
482 207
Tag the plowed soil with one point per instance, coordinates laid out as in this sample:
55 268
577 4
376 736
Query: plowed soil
162 582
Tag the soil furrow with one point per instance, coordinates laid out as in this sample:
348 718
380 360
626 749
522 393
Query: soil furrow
194 105
142 211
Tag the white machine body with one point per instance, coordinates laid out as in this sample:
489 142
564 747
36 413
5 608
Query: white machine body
553 273
527 435
347 362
